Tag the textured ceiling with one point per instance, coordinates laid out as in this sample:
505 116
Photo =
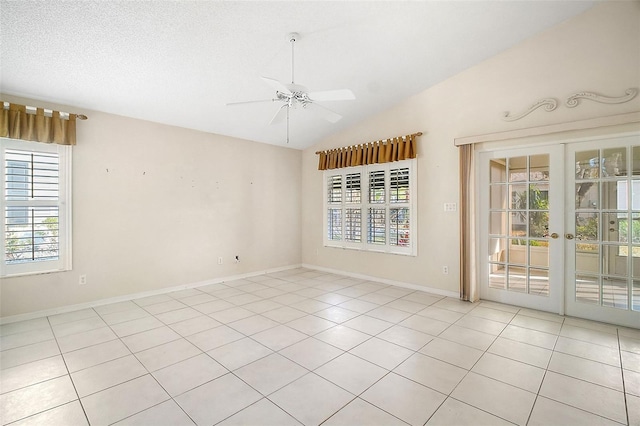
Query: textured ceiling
180 62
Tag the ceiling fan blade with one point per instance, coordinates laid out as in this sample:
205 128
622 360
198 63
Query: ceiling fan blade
275 84
280 115
251 102
332 95
324 112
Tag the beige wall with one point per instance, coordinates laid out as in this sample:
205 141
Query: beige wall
597 51
154 206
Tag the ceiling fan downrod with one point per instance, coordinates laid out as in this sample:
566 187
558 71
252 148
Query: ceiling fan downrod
292 37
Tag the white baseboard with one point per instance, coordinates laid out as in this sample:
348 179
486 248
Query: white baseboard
124 298
385 281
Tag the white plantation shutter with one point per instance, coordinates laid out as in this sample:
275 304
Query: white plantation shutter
371 207
35 207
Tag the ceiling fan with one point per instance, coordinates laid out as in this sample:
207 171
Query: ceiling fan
294 95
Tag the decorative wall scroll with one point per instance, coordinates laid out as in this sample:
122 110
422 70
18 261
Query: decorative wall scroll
549 105
574 100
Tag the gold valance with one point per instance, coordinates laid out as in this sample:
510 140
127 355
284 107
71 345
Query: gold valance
383 151
17 122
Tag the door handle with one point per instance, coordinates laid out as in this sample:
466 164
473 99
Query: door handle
568 236
554 236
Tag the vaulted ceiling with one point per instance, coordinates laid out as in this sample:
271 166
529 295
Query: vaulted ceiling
181 62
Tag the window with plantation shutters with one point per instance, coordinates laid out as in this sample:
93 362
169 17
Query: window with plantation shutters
35 207
371 208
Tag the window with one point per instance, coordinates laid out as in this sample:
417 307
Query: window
371 208
36 207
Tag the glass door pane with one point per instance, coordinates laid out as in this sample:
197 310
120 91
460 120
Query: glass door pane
519 224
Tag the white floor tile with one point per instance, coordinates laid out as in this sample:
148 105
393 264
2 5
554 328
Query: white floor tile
455 413
405 337
253 325
630 361
194 325
336 314
37 398
311 324
549 412
491 314
441 314
531 337
72 316
466 336
136 326
311 353
29 374
124 316
164 355
218 399
351 373
311 399
360 412
588 350
24 326
367 324
24 354
585 396
481 324
359 306
124 400
70 414
591 336
515 373
632 382
94 355
380 352
110 373
16 340
167 413
523 352
185 375
239 353
270 373
178 315
148 339
284 314
215 337
118 307
388 314
231 314
264 413
403 398
452 352
433 373
86 339
584 369
503 400
279 337
537 324
342 337
426 325
633 406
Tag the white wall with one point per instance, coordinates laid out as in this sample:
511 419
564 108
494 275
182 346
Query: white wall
597 51
154 206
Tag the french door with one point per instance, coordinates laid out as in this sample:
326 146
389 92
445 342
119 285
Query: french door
603 230
559 228
521 221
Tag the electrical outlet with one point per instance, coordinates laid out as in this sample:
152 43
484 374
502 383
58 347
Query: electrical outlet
445 270
82 280
219 261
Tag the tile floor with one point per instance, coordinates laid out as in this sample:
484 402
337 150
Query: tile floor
307 347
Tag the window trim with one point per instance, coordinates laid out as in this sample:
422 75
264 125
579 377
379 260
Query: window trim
365 204
64 204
